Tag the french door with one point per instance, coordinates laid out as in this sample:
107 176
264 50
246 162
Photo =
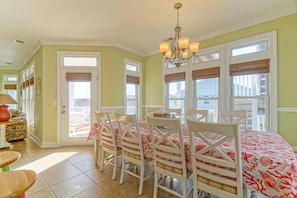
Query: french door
78 104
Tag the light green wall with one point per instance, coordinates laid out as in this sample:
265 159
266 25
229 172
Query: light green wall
152 82
286 28
112 79
112 60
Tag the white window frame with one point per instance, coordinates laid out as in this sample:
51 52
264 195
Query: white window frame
270 54
224 80
28 95
137 73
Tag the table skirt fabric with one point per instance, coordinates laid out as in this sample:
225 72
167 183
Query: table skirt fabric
269 165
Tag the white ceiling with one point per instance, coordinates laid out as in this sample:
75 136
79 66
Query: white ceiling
137 25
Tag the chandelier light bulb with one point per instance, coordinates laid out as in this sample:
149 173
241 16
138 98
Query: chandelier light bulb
183 43
164 47
194 47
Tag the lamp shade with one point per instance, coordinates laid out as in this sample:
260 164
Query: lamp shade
7 99
4 113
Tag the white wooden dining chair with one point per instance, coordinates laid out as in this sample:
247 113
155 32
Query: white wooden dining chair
110 151
235 116
132 150
151 110
214 171
176 112
111 110
197 114
169 155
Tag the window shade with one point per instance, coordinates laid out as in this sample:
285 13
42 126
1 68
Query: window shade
253 67
213 72
175 77
78 77
10 87
31 81
132 79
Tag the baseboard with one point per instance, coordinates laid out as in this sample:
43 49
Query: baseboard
42 144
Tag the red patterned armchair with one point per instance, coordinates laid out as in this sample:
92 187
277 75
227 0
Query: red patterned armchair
16 131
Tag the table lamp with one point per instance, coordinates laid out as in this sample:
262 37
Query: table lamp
4 113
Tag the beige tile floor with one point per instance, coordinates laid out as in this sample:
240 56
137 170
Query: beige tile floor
71 172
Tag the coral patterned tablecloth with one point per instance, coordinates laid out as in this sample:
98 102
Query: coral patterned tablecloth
269 165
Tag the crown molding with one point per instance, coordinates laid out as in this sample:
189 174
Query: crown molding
90 43
246 24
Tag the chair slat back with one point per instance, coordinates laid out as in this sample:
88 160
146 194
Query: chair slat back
217 166
197 114
177 112
151 110
130 137
168 146
107 132
235 116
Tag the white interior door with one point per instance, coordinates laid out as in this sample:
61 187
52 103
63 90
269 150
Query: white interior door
78 104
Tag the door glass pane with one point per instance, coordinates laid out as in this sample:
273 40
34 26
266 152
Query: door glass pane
131 95
79 109
206 95
13 94
80 61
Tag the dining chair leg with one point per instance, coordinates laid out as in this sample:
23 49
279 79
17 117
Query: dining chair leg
156 185
115 167
122 171
102 160
96 151
141 180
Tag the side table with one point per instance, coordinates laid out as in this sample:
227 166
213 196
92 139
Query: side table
3 142
16 183
7 158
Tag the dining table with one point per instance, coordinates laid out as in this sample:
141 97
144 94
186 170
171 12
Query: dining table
269 166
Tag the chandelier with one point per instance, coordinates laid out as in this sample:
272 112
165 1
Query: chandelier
177 50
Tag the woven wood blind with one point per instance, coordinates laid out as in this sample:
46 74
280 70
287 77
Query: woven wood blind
10 87
132 80
213 72
31 81
175 77
78 77
253 67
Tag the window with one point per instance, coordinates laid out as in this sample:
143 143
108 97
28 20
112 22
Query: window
249 48
250 92
69 61
207 57
10 87
132 87
238 75
175 91
28 94
206 91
